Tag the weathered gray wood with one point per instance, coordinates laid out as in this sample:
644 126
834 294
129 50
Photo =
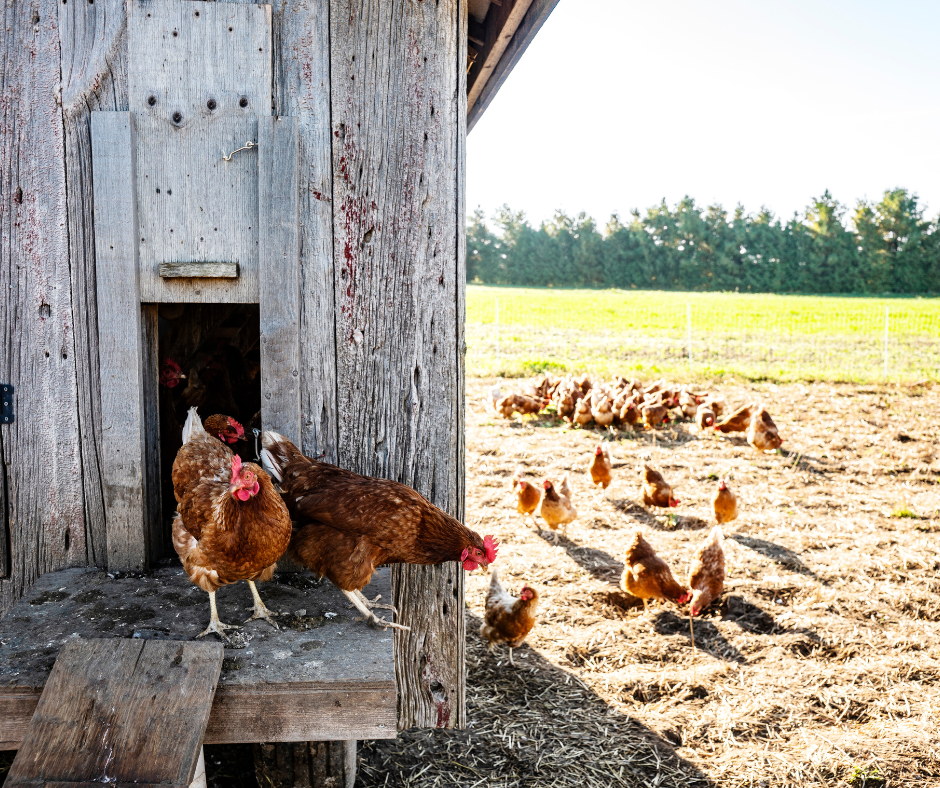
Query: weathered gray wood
199 270
120 711
42 451
206 68
395 98
93 39
120 333
280 282
323 764
302 90
535 17
319 677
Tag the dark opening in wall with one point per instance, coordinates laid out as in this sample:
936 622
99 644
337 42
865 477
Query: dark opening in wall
217 348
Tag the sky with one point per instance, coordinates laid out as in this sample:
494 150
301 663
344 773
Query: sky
618 104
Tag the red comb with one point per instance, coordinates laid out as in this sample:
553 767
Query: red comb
490 546
236 467
239 429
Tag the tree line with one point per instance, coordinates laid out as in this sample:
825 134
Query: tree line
883 247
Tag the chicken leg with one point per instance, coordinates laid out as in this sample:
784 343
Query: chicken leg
260 611
374 603
362 605
214 624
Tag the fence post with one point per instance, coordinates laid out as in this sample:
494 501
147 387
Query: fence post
497 329
688 322
886 341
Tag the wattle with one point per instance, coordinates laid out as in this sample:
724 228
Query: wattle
470 565
243 495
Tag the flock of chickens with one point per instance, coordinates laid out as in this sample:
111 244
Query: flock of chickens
625 403
235 519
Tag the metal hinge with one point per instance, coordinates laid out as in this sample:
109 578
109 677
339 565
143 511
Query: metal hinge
6 404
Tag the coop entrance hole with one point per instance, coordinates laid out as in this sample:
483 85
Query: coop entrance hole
217 348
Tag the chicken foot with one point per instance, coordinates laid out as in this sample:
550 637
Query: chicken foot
374 603
362 605
215 625
260 610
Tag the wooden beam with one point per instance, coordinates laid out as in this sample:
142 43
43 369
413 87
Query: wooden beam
302 90
93 41
199 270
486 86
120 332
501 24
42 450
395 73
120 711
280 280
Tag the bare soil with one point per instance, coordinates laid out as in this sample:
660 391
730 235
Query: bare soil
820 665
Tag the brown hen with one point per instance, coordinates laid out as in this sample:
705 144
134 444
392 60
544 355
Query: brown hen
724 504
508 618
647 576
601 466
763 434
656 491
231 524
707 573
349 525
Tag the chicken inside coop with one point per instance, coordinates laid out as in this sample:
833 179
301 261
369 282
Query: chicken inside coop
210 359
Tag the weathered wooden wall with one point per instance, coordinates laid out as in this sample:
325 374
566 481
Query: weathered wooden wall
396 141
39 333
379 92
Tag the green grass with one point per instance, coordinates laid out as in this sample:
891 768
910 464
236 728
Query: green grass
751 335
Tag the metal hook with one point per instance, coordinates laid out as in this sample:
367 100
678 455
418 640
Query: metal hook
257 432
247 146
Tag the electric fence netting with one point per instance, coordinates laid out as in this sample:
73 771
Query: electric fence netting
524 331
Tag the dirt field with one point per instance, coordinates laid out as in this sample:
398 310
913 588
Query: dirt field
819 666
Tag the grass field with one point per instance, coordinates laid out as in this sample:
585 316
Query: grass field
756 336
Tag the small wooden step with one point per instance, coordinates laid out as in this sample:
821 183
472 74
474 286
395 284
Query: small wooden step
120 712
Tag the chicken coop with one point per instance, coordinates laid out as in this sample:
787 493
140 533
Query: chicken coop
269 200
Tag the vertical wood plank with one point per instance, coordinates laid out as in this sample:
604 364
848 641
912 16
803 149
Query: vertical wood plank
280 276
4 517
394 67
93 40
199 78
302 90
42 449
120 334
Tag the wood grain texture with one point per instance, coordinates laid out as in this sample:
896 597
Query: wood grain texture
280 282
200 76
395 99
320 677
120 332
302 90
93 40
199 270
120 711
42 458
501 24
532 22
157 535
315 764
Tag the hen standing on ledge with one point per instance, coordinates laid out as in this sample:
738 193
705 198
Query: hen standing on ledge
349 525
231 524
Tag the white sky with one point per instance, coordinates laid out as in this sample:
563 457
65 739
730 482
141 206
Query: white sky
620 103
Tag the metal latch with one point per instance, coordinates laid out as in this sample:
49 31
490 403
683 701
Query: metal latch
6 408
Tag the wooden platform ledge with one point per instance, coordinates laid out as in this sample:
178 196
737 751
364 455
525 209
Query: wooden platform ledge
323 676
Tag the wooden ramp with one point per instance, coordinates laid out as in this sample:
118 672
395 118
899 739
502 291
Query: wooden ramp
325 675
120 713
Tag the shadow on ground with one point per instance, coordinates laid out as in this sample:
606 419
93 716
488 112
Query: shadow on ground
529 725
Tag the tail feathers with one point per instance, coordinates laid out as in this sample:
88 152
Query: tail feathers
495 585
193 426
272 466
717 536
